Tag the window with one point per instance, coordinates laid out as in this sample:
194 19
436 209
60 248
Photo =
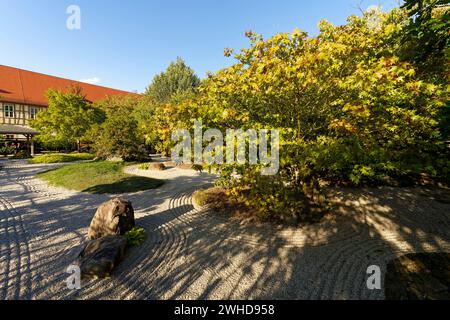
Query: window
33 112
9 110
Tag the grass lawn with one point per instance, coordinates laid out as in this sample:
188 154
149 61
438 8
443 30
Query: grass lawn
61 157
98 177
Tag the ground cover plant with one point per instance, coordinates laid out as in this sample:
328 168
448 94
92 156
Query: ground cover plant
61 157
135 237
98 177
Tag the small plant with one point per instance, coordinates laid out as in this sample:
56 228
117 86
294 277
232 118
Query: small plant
6 150
135 237
215 197
200 197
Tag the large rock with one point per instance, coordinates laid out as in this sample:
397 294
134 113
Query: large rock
100 256
114 217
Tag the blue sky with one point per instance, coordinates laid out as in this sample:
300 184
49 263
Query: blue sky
123 44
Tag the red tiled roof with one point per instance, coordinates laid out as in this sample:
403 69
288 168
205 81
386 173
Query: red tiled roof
27 87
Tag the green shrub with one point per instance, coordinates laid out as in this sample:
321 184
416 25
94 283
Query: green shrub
6 150
67 119
214 197
143 166
119 135
346 105
135 237
22 154
61 157
201 197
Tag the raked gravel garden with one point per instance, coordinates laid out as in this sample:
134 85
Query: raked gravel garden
194 253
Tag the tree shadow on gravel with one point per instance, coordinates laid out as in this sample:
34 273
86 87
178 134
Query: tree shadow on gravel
56 226
205 255
126 185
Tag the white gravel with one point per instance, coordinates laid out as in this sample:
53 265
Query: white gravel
194 254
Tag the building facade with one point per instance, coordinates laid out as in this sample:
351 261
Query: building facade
23 96
18 114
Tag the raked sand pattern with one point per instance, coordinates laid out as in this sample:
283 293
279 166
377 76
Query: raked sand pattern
191 253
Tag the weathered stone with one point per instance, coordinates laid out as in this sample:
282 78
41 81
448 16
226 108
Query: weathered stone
170 164
185 166
153 166
114 217
157 166
100 256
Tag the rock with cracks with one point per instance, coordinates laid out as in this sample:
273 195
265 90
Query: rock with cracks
100 256
114 217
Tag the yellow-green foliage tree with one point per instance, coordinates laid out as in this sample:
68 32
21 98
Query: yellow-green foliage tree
347 106
167 118
67 119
